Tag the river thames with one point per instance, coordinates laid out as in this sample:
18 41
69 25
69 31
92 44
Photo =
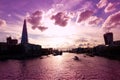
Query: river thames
61 68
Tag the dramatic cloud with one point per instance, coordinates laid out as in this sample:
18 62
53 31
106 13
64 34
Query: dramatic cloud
102 3
36 20
112 21
95 20
85 15
61 19
2 22
110 7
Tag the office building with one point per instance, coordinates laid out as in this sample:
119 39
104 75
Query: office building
24 39
108 38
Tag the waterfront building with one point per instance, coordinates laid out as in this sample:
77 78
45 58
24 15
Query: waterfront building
11 41
116 43
108 38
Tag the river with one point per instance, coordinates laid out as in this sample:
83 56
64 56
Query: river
61 68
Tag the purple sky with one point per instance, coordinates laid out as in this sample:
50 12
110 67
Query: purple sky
60 23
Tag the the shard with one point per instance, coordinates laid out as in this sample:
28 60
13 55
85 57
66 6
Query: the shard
24 39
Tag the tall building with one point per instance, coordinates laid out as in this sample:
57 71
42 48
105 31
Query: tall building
24 39
108 38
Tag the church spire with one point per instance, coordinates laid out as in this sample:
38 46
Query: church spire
24 39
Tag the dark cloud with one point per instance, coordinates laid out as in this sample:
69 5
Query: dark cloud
112 21
35 20
2 22
61 19
85 15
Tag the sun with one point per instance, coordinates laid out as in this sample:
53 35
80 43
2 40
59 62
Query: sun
55 35
58 30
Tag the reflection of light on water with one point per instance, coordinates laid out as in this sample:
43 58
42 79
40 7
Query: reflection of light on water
58 62
58 58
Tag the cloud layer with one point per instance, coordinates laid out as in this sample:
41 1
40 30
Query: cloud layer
36 20
112 21
2 22
110 7
95 20
85 15
60 18
102 3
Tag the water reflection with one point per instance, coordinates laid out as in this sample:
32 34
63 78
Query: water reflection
60 68
58 58
23 69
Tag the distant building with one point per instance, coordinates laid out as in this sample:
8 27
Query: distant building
11 48
24 39
116 43
3 47
108 38
11 41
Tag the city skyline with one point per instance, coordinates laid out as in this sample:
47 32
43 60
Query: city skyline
60 23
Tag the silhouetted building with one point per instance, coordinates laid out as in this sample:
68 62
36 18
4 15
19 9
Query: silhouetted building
3 47
108 38
116 43
24 39
12 50
11 41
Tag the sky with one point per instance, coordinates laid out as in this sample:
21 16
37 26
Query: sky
60 23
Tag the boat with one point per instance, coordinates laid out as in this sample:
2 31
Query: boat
55 53
76 58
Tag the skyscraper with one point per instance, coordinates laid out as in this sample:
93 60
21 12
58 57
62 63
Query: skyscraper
24 39
108 38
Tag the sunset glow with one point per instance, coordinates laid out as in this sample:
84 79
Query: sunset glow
60 23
